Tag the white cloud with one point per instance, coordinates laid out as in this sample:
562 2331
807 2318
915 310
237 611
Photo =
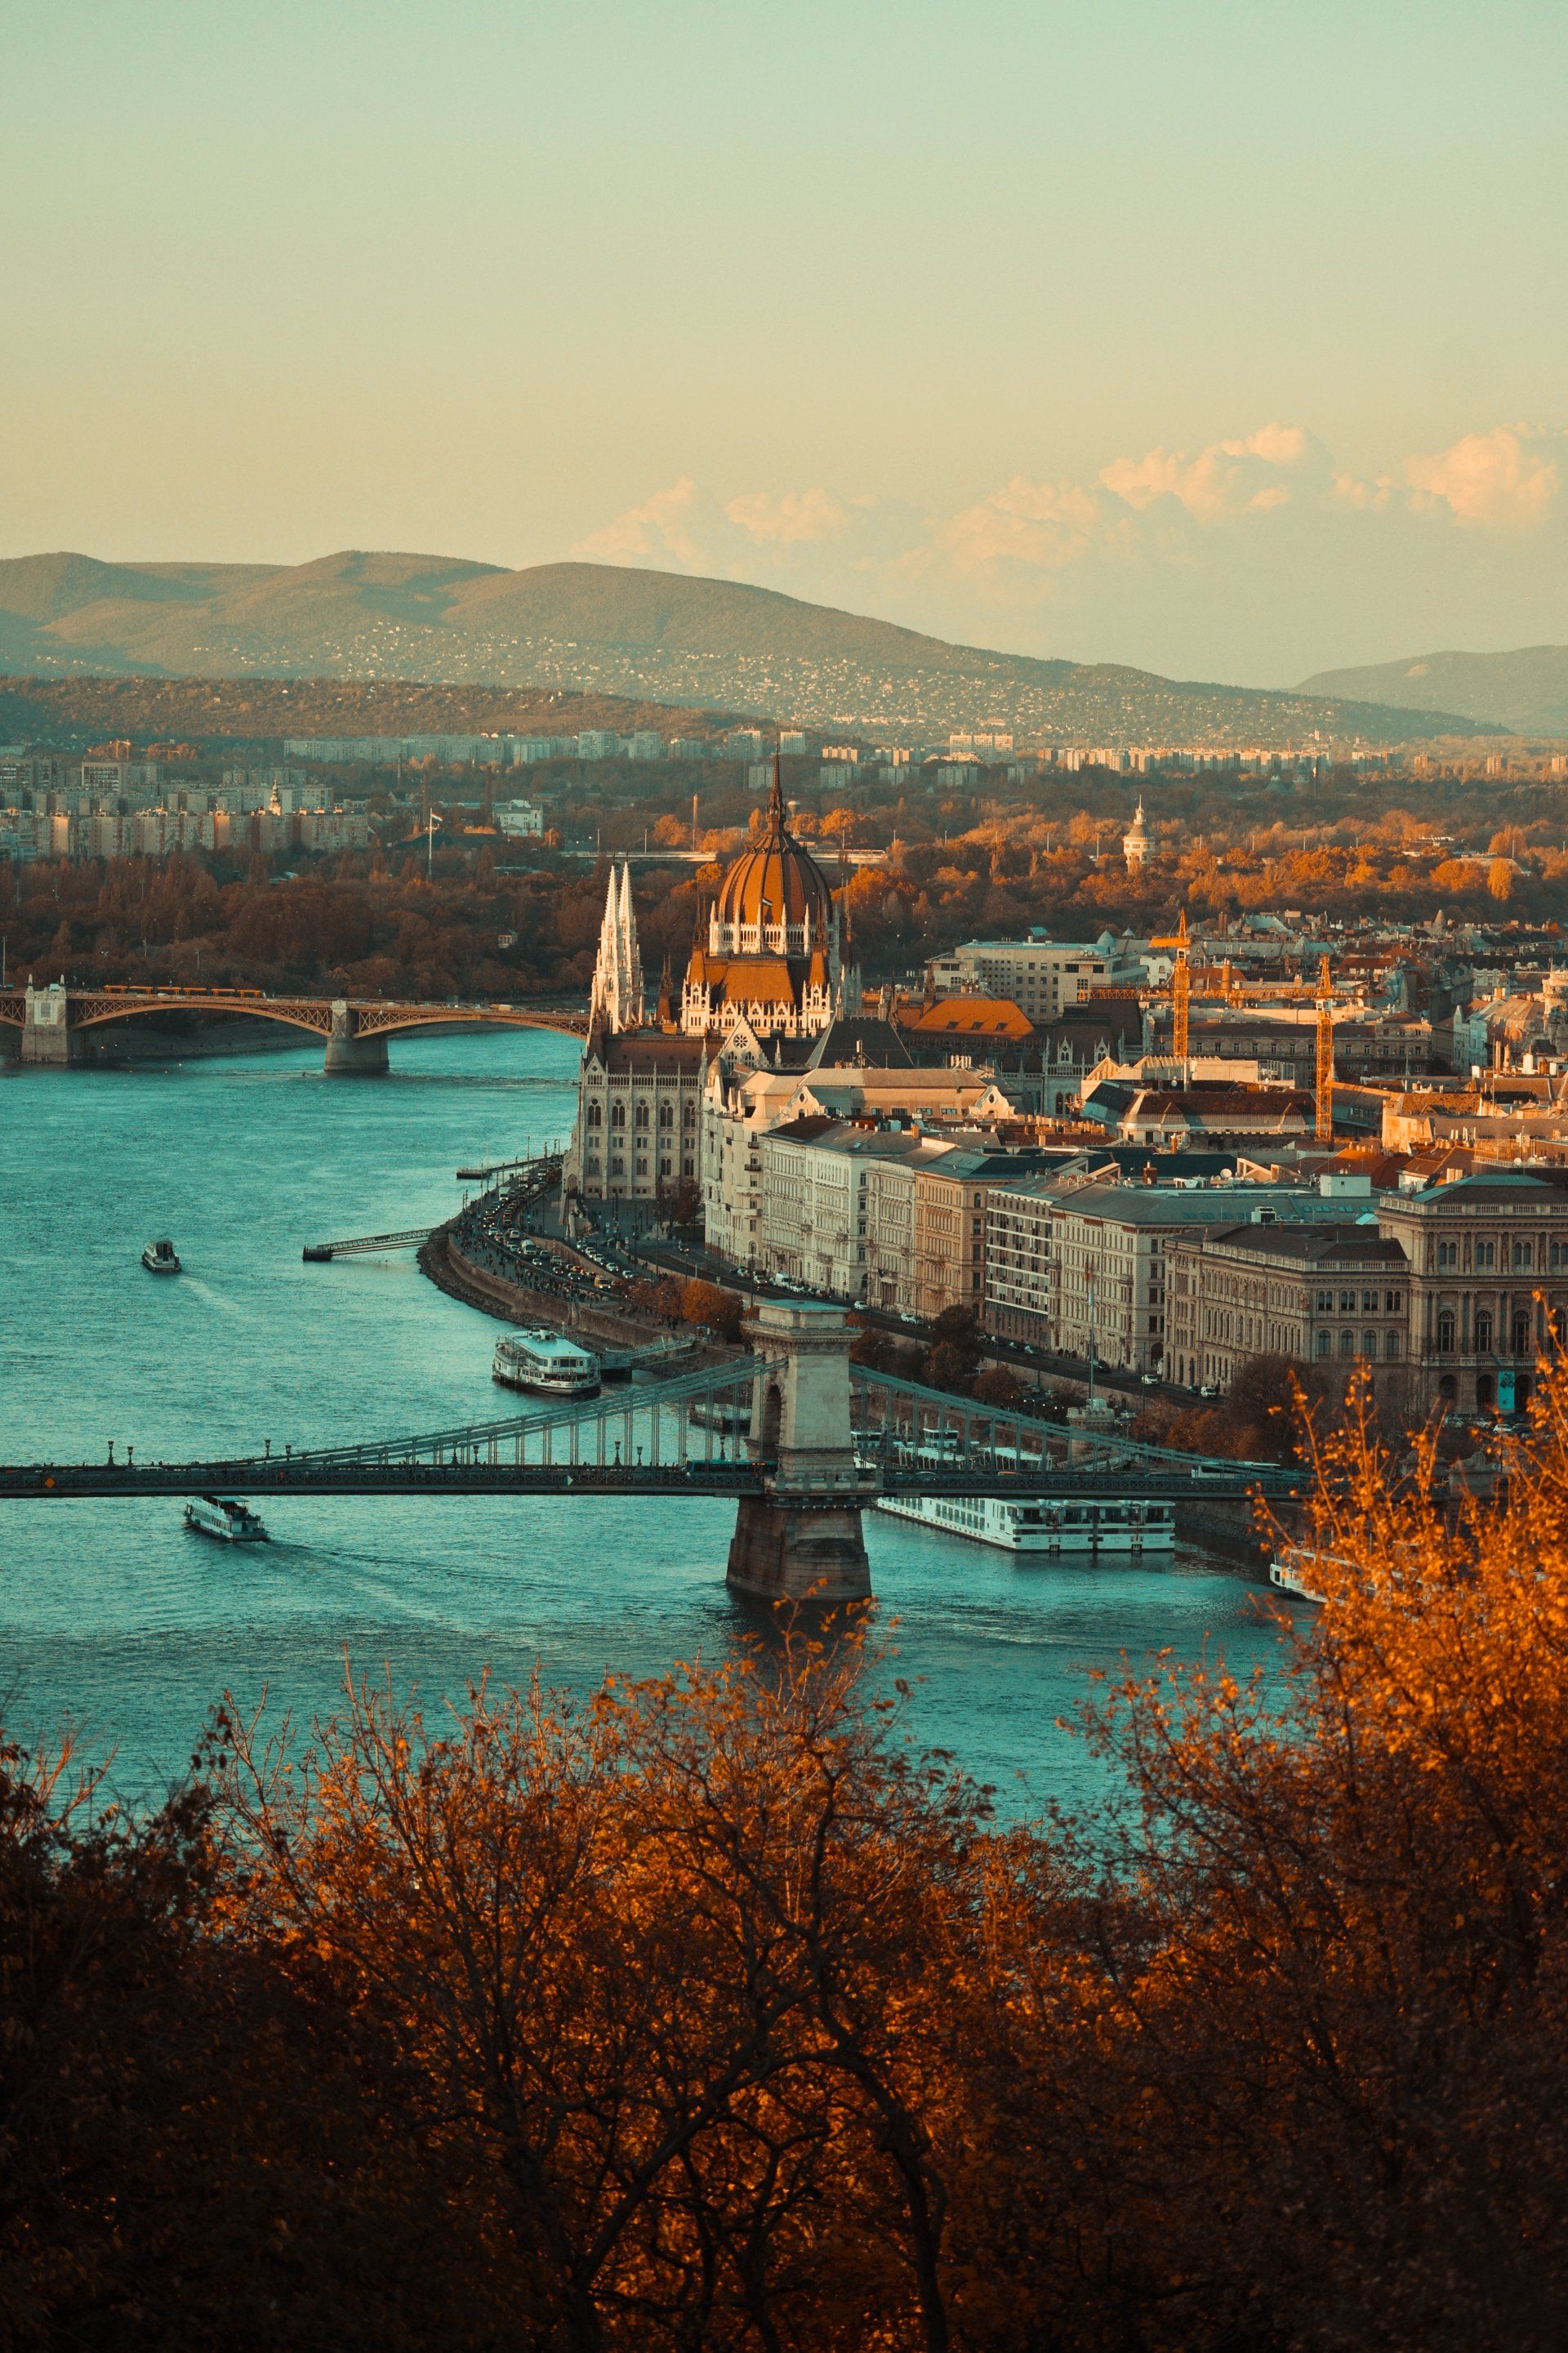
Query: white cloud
1506 479
1268 469
795 518
660 526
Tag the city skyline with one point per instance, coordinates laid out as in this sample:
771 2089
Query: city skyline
1201 339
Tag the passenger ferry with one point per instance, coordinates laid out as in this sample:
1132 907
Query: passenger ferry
1054 1530
161 1258
546 1365
229 1522
1293 1570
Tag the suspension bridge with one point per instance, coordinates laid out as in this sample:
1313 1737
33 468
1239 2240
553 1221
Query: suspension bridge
800 1438
60 1025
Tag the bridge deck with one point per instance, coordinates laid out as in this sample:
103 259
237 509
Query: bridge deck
35 1482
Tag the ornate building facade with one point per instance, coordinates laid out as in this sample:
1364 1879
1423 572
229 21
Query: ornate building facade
773 966
772 975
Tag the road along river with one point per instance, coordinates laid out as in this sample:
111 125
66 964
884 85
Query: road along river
113 1616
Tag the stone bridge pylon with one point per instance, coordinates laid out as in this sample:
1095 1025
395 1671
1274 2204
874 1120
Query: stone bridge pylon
801 1539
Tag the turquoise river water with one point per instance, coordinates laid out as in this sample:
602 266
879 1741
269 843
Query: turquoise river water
116 1619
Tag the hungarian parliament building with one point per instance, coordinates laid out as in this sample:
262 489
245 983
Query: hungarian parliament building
769 1026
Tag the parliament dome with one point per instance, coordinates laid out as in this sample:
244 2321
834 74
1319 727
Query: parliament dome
775 888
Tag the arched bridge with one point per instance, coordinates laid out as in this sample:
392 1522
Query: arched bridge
800 1438
59 1024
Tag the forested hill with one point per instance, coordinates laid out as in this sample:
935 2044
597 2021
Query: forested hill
257 709
602 630
1526 690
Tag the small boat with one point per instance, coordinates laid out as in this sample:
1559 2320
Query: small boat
229 1522
161 1258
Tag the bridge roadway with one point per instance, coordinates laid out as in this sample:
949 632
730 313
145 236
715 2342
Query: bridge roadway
270 1475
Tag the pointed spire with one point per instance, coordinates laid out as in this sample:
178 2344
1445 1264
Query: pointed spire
617 991
776 811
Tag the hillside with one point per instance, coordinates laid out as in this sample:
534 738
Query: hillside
1526 691
599 629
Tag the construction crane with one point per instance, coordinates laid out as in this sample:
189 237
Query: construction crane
1181 981
1324 1087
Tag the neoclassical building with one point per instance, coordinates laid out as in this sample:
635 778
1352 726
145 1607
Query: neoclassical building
774 964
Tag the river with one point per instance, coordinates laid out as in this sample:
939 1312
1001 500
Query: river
117 1621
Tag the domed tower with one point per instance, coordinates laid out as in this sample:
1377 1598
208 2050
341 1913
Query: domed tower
774 956
1136 848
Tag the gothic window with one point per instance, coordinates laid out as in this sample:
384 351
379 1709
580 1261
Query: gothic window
642 1114
618 1114
689 1115
595 1117
617 1166
667 1114
642 1167
1446 1333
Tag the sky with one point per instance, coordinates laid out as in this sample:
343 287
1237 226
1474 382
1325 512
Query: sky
1223 337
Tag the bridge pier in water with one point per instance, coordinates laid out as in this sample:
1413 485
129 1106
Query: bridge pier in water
348 1054
47 1037
802 1539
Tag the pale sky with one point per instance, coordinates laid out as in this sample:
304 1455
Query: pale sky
1226 337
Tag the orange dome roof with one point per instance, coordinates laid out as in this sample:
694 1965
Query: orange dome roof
777 883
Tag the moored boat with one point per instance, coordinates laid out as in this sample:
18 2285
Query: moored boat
1050 1529
545 1364
228 1520
1297 1571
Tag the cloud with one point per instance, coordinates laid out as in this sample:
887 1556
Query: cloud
1268 469
1505 480
660 526
1045 525
797 517
1259 554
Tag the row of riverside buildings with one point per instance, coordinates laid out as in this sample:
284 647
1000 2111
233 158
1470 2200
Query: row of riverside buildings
917 1156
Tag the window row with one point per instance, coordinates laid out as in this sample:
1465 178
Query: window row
1324 1344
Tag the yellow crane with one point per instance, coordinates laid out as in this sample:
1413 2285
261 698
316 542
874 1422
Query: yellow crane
1181 982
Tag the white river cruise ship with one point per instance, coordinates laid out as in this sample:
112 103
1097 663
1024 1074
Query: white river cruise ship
545 1364
1051 1529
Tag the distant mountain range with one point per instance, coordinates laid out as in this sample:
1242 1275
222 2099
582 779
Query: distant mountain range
1526 692
595 629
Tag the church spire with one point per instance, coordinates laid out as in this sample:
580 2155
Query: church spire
776 811
617 993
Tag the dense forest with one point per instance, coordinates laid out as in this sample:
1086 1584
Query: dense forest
705 2013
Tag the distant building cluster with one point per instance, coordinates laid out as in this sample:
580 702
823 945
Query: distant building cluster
51 807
